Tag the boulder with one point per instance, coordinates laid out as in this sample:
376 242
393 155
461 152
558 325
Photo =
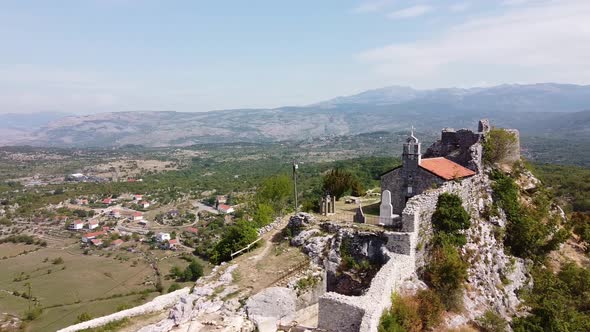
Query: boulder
269 306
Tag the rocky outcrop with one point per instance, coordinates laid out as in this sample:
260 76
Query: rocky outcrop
269 306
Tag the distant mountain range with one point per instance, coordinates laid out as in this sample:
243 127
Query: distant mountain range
548 109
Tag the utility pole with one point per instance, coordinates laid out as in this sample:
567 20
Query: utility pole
295 166
29 285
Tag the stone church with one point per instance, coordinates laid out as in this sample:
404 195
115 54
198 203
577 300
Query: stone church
456 155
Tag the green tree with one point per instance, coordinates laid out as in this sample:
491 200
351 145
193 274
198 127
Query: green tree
451 218
234 238
275 191
497 145
263 214
338 182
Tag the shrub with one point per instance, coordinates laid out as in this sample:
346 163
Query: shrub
559 302
57 261
450 217
490 321
445 273
530 233
497 145
174 287
83 317
33 314
430 308
234 238
403 316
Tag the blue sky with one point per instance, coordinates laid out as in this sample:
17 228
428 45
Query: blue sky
87 56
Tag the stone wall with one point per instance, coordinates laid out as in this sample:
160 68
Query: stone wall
403 254
340 313
394 182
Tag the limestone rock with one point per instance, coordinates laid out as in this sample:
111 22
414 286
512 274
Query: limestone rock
269 306
300 239
300 220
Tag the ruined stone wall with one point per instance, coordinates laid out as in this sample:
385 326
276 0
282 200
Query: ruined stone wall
471 190
461 146
340 313
513 154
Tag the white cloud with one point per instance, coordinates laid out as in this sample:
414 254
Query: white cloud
545 42
369 6
410 12
460 7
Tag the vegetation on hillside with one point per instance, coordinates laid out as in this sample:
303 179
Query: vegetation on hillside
446 271
497 144
531 231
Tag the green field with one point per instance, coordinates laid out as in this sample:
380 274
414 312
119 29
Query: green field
76 288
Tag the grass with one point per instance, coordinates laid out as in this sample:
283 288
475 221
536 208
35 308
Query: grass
13 249
75 288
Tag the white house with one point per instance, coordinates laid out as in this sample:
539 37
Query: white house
137 216
161 237
137 197
92 224
76 225
116 213
144 204
224 208
91 236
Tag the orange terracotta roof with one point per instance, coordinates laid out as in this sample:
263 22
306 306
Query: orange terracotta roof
94 234
445 168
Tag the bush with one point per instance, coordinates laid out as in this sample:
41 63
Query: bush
234 238
431 308
33 314
497 145
559 302
402 317
174 287
57 261
446 272
450 217
492 322
530 233
83 317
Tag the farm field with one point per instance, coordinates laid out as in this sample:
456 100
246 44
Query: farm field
74 284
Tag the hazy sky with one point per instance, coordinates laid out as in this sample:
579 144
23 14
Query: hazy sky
123 55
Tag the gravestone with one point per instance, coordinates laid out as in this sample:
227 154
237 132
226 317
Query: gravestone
386 209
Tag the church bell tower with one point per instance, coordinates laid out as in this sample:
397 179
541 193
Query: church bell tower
411 158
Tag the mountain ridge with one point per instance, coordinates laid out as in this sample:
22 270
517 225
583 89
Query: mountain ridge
557 109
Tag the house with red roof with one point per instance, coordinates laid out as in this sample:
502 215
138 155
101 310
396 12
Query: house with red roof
107 201
226 209
92 224
191 230
137 197
90 236
96 242
76 225
144 204
117 243
137 216
172 244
